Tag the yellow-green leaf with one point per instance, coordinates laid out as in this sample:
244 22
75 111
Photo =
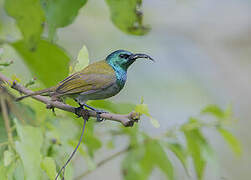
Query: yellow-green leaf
213 110
8 157
82 60
198 147
49 166
231 140
142 109
180 153
3 172
160 158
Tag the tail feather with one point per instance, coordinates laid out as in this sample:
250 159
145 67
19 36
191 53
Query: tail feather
47 90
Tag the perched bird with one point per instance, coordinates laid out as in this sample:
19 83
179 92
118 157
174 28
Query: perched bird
99 80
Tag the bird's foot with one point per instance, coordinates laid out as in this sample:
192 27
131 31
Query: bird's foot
98 112
50 106
78 112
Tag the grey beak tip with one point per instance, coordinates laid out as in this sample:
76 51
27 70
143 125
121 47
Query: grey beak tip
136 56
151 59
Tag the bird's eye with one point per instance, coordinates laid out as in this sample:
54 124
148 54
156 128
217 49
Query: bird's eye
125 56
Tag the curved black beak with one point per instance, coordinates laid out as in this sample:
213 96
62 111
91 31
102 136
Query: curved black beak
136 56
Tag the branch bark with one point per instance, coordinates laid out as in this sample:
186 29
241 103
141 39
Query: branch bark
125 119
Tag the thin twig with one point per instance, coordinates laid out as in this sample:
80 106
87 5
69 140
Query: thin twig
104 161
125 119
76 148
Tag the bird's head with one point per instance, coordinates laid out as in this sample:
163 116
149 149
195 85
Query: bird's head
124 58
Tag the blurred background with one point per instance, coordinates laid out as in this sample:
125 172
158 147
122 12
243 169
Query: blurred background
202 51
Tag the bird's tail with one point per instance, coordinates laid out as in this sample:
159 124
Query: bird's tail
47 90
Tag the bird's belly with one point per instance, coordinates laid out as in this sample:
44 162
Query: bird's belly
102 94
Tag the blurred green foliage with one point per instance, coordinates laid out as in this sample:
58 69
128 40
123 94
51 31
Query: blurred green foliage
128 16
39 61
40 140
29 17
60 13
28 148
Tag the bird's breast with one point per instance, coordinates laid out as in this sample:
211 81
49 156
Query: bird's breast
102 94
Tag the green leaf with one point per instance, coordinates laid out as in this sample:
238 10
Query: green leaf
49 166
69 172
28 148
60 13
127 16
30 18
82 60
228 113
19 172
180 153
132 165
133 133
7 172
143 109
92 143
198 147
160 159
231 140
3 133
191 125
141 160
196 153
8 157
3 172
48 62
213 110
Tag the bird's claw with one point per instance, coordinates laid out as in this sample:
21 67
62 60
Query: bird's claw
98 112
50 106
78 111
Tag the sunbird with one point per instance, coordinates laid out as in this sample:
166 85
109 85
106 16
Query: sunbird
99 80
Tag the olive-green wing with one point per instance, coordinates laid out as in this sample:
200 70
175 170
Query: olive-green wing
93 78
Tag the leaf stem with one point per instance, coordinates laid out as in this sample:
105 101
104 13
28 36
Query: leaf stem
75 150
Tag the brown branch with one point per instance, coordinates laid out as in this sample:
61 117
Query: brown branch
125 119
99 164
